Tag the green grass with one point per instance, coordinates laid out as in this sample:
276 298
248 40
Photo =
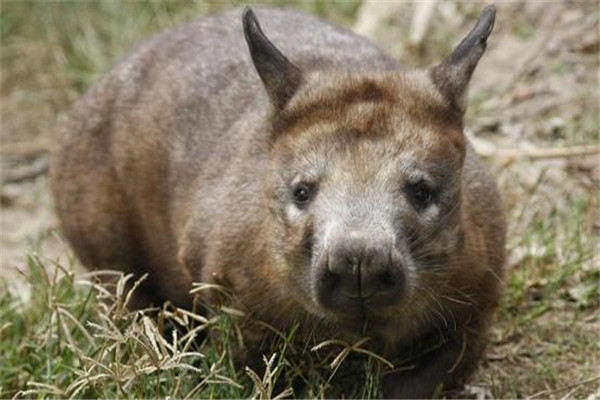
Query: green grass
80 41
72 337
545 341
559 240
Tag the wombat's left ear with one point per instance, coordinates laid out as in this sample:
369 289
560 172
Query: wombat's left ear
279 75
453 74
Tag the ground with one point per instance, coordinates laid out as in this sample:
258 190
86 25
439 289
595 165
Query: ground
533 115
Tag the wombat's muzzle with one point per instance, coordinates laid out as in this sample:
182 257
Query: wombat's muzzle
358 272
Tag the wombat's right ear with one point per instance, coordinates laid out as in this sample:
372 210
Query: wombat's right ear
279 75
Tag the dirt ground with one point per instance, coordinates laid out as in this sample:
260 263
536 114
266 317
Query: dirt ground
534 117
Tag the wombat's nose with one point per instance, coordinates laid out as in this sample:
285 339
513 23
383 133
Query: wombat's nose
360 269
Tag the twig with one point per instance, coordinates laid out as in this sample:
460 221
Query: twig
40 167
509 155
567 387
544 105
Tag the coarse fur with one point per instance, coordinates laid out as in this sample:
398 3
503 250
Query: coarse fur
183 160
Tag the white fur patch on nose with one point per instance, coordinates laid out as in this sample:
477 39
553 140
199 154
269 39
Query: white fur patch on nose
330 229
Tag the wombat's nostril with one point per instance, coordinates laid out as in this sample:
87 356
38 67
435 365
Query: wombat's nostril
330 279
386 279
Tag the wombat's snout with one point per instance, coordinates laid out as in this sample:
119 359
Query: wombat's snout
357 271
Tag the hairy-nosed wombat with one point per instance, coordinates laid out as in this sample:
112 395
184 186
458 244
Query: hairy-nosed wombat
332 187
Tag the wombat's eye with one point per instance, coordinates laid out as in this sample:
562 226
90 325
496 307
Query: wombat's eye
421 194
302 194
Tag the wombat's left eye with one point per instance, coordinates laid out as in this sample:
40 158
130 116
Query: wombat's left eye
302 194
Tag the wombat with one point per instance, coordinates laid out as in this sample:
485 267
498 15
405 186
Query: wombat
304 168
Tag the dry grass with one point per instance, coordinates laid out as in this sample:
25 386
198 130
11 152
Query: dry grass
69 336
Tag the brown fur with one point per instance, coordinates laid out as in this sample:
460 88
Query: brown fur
179 163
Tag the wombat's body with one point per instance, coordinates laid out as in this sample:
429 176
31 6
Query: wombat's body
179 163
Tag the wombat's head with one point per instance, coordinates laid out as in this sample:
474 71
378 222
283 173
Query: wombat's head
364 184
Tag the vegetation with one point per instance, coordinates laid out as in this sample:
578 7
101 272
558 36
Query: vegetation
73 337
62 334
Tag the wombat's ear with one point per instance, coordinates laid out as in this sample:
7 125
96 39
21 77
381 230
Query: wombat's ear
279 75
453 74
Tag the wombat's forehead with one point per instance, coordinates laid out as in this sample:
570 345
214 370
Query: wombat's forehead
349 156
366 126
382 105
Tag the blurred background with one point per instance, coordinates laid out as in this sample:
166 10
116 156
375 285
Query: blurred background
533 115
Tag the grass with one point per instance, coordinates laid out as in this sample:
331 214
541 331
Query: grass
65 335
545 342
73 337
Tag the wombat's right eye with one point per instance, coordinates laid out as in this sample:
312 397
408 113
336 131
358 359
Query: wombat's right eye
421 194
302 194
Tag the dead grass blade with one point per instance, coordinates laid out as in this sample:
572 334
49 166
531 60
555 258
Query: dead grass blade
567 387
